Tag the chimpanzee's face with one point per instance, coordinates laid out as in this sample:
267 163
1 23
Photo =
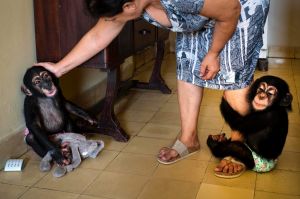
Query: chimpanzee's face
265 96
42 82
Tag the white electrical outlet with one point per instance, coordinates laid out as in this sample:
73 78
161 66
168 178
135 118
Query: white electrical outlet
13 165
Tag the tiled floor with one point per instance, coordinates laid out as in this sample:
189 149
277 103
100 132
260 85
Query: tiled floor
130 170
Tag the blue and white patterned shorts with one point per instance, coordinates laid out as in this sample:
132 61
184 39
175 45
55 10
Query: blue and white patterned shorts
194 35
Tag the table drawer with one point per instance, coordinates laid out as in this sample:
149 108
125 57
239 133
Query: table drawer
144 34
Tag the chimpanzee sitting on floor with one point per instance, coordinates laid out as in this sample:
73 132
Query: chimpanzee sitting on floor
47 113
258 138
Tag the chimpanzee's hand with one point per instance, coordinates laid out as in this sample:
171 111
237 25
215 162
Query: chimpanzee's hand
67 152
59 158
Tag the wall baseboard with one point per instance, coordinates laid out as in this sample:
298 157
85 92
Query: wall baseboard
11 147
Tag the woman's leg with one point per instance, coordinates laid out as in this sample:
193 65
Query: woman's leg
189 98
237 99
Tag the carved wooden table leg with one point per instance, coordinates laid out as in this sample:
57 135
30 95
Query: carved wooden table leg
108 123
156 81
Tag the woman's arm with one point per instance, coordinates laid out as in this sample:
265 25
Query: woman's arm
90 44
226 14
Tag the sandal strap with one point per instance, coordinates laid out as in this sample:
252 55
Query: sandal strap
181 148
231 159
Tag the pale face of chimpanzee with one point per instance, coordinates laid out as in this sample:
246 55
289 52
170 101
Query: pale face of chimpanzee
43 83
265 95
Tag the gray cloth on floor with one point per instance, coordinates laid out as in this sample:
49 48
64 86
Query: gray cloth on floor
81 148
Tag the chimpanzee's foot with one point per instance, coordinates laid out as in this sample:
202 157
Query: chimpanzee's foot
229 168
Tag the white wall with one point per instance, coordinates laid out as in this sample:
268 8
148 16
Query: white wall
284 23
17 51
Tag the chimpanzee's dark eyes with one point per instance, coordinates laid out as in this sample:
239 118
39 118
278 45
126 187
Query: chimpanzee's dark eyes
259 90
37 81
270 94
271 91
45 75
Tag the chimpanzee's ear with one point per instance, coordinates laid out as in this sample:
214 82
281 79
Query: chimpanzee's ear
25 90
286 100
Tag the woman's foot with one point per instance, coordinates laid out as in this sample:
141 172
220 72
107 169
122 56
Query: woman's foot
179 151
229 168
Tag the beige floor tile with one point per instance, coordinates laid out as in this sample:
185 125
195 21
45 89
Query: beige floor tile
246 180
117 186
171 82
267 195
210 191
31 156
75 182
294 117
210 111
292 144
213 93
29 176
90 197
133 164
160 188
135 116
123 103
296 66
226 129
210 122
170 107
167 118
173 98
145 105
144 145
185 170
156 96
294 129
132 128
8 191
101 161
35 193
289 161
297 52
279 181
211 101
203 155
111 144
160 131
297 80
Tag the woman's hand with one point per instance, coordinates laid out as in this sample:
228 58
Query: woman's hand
50 66
210 66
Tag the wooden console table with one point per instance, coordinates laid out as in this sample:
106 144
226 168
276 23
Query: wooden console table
59 25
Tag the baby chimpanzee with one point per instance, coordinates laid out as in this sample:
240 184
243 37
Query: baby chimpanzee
263 130
47 112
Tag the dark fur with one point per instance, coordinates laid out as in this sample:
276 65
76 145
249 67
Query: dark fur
45 115
264 131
